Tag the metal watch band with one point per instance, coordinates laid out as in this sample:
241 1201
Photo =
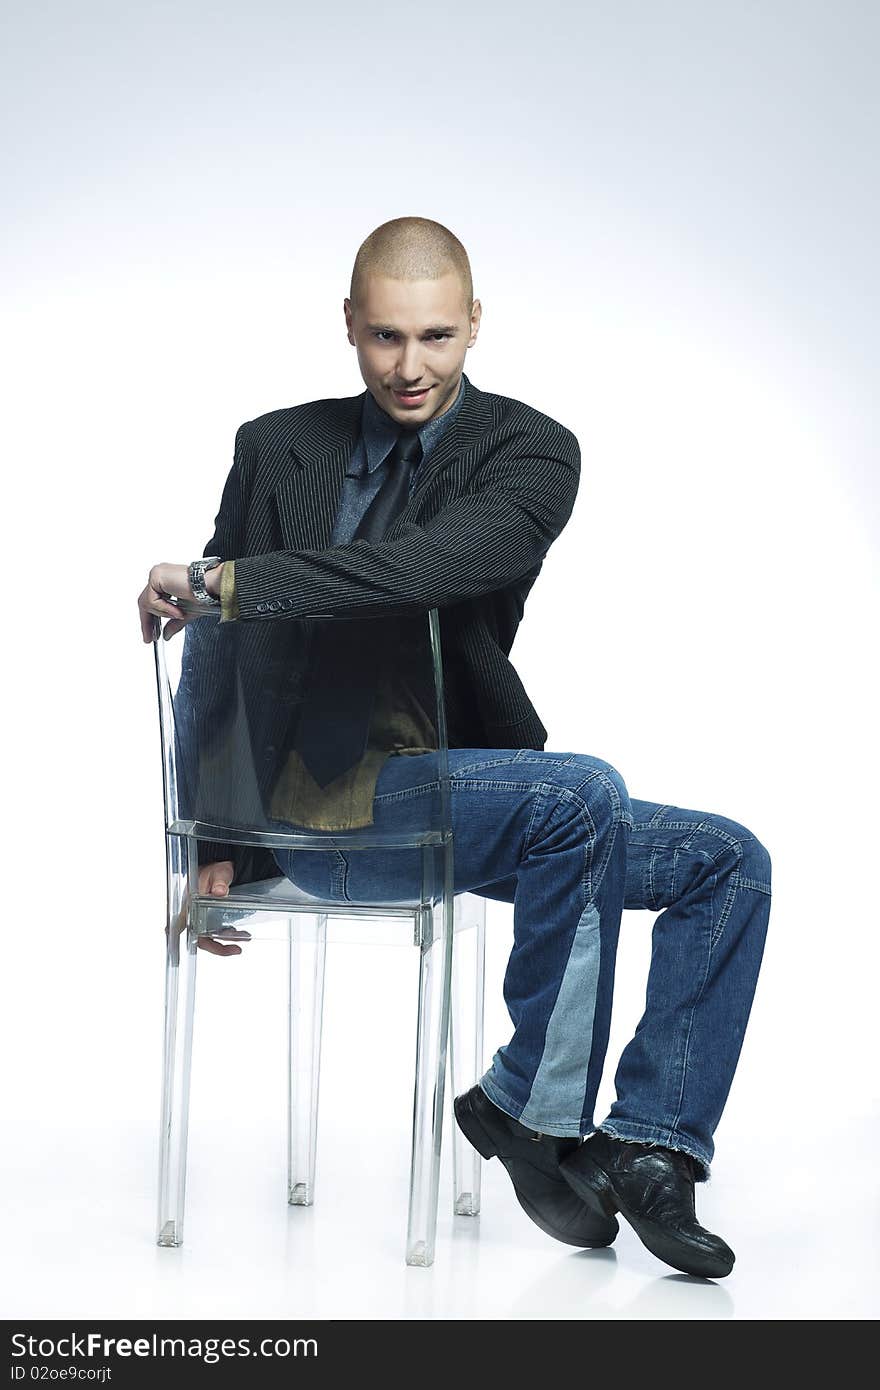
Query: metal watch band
196 574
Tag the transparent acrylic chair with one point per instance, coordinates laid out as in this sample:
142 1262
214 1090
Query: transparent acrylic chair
263 727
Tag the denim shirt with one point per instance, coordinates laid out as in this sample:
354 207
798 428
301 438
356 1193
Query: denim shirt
376 440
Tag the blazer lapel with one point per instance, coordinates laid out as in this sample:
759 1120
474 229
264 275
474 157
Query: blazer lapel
471 423
307 497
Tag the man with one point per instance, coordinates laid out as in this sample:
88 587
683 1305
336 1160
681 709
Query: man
484 484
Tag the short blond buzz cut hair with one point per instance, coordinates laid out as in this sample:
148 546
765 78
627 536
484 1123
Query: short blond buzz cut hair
411 248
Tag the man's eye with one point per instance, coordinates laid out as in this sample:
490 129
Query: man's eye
383 333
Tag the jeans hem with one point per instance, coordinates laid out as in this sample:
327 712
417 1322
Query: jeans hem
631 1131
513 1110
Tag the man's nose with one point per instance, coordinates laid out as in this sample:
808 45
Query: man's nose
411 367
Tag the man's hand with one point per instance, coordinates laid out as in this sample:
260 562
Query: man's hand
167 582
215 879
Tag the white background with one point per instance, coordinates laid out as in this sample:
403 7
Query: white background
671 212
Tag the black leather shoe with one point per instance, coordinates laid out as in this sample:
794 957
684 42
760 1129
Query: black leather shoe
532 1160
653 1187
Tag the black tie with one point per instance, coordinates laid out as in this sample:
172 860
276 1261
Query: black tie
394 490
335 721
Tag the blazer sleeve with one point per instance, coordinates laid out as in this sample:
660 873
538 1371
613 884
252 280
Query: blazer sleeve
250 862
482 541
229 523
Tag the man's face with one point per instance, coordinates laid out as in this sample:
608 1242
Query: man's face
412 335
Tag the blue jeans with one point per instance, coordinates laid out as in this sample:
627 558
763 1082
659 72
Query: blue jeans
557 835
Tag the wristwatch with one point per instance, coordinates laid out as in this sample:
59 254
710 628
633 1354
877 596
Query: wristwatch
196 574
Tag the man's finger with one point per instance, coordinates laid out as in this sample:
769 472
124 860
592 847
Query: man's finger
152 611
227 946
164 606
218 948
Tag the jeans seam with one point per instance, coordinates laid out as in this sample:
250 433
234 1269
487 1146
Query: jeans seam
619 817
479 763
756 884
591 881
542 757
718 927
651 886
479 766
588 889
339 877
618 811
693 1010
563 795
740 881
537 804
730 841
470 783
406 793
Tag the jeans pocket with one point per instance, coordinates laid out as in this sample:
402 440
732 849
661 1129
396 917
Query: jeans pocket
321 872
379 876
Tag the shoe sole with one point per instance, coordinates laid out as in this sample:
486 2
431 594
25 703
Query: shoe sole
472 1129
593 1186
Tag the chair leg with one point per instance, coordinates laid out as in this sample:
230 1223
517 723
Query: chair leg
466 1040
435 977
180 995
307 937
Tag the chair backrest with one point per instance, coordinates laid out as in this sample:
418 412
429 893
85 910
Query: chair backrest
272 728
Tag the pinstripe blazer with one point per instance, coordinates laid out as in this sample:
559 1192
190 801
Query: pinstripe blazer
488 502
